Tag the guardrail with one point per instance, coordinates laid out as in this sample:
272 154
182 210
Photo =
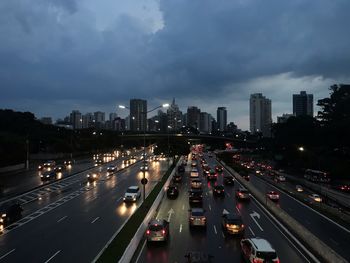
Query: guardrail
320 252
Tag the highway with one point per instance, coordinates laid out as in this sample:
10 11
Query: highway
331 233
74 226
212 240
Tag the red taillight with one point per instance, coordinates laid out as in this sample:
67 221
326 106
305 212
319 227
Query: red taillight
148 232
163 232
277 261
257 260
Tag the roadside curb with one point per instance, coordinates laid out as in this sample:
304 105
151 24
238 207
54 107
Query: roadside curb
296 231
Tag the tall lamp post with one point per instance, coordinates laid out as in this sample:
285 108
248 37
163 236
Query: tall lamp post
144 142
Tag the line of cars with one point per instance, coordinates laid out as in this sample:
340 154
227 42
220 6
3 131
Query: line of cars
49 170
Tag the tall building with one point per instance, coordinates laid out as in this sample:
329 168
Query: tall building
174 117
204 122
138 115
221 118
112 116
303 104
76 120
260 114
88 120
284 117
193 117
118 124
99 117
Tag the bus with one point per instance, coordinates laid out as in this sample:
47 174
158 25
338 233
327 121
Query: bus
316 176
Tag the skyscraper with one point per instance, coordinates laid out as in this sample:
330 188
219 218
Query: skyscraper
303 104
204 122
222 118
88 120
138 115
174 116
76 120
260 114
193 117
112 116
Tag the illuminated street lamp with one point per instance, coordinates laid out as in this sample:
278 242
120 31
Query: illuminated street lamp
301 148
144 140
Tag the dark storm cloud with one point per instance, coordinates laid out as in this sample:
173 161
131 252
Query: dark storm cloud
54 51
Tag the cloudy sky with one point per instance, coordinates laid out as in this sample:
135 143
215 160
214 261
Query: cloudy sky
60 55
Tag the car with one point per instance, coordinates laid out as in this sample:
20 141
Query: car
98 162
258 250
273 195
10 212
195 196
229 180
181 169
157 231
172 191
212 175
344 187
219 168
144 167
196 183
280 178
132 157
47 166
299 188
92 177
194 173
111 169
46 176
177 178
245 176
59 168
242 194
68 163
132 194
198 257
197 217
126 161
219 190
232 223
194 164
316 198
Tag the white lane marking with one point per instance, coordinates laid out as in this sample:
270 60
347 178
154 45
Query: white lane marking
223 235
210 207
54 255
228 194
183 207
119 199
143 247
216 232
63 218
180 228
239 211
93 221
253 215
8 253
251 231
170 213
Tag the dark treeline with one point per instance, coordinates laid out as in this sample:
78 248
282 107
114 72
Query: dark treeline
325 139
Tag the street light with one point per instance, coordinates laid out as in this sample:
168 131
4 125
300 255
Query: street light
301 148
144 140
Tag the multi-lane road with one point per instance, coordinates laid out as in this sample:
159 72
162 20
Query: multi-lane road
212 239
74 223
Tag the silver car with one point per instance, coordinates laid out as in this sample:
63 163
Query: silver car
197 217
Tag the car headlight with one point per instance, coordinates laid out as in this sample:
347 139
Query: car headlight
134 198
3 215
88 175
94 175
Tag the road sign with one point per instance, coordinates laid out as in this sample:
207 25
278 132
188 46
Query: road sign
144 181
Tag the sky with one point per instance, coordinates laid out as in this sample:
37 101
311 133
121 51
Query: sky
60 55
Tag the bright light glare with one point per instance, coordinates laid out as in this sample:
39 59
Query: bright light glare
122 106
165 105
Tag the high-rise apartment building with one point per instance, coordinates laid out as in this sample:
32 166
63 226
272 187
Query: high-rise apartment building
193 117
221 118
260 114
99 117
284 117
88 120
112 116
204 122
76 120
138 115
174 117
303 104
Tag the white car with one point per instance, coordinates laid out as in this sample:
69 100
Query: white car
132 194
316 198
281 178
299 188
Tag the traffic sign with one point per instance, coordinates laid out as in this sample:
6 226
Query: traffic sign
144 181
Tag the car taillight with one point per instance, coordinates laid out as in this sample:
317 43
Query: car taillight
242 226
276 260
257 260
148 232
163 232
